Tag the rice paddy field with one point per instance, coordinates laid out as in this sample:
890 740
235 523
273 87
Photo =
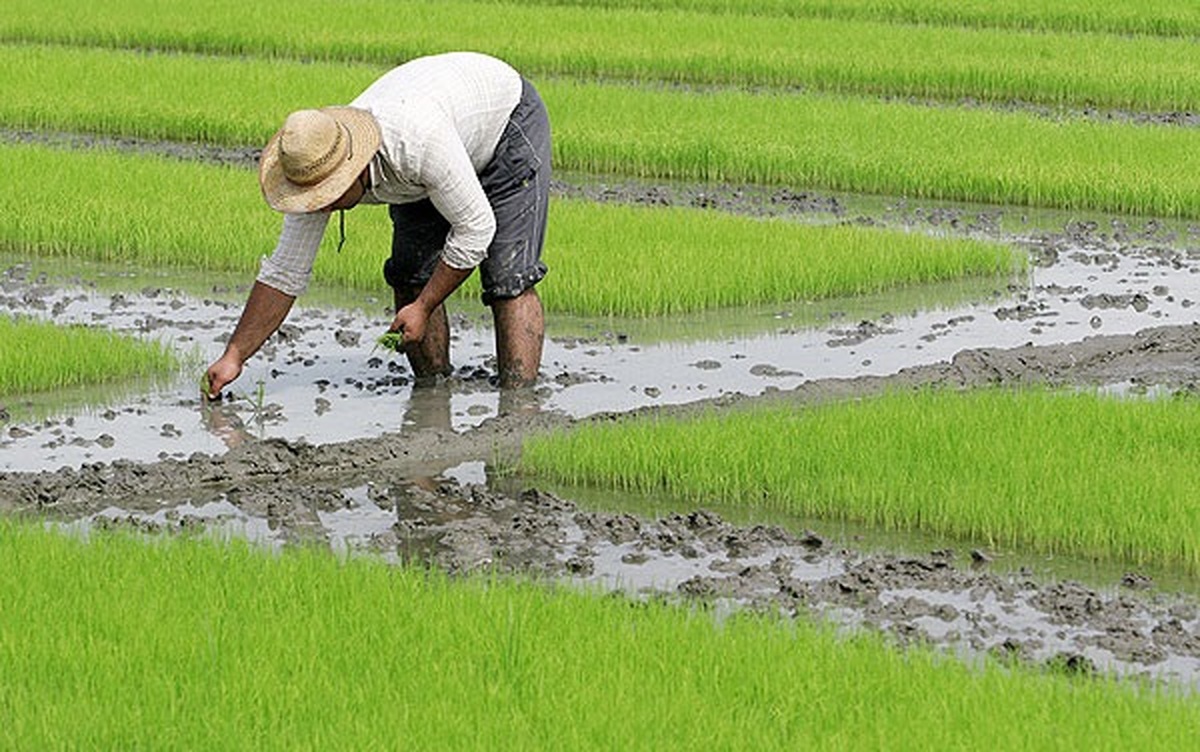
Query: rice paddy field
871 372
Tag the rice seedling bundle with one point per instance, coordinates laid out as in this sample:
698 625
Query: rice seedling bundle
605 259
1074 473
38 356
807 140
819 54
235 647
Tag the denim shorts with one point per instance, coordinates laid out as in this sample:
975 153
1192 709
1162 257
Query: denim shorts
517 184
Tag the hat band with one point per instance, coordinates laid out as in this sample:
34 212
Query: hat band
318 169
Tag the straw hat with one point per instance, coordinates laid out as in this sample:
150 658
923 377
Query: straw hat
317 154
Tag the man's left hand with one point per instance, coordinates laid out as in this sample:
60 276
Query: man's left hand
410 321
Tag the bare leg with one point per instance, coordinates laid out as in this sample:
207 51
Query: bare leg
520 331
430 357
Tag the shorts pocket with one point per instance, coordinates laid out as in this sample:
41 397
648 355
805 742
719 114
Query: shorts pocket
514 165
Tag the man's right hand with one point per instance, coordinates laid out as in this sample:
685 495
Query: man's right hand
264 312
227 368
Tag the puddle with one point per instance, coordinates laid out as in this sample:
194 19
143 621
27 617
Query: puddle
1021 624
220 518
358 524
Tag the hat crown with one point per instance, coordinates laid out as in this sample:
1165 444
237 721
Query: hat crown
311 146
316 156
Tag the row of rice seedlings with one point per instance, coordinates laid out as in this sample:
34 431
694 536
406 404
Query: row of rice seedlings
849 144
42 355
682 260
1153 17
832 55
1068 473
233 647
881 148
606 259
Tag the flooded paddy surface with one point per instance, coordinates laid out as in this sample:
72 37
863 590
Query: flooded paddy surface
323 436
322 378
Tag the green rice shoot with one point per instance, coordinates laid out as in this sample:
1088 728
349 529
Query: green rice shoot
605 259
232 646
390 341
1073 473
39 356
926 60
1151 17
860 145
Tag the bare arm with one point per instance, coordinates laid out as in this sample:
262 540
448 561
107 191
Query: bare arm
441 285
265 310
411 319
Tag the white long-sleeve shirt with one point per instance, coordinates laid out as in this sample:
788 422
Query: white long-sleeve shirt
441 117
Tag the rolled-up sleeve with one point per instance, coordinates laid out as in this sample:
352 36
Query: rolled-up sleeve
289 268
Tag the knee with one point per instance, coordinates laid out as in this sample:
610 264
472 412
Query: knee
526 307
403 295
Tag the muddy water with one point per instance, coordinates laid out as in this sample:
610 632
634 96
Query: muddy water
321 378
324 437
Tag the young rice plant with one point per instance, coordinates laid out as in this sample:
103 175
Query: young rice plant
817 53
39 355
1152 17
235 647
1075 473
606 259
833 143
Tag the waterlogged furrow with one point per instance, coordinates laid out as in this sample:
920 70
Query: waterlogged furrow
41 355
1070 473
801 140
1153 17
230 646
605 259
833 55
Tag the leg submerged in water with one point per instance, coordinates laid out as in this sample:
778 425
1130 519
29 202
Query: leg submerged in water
520 332
429 358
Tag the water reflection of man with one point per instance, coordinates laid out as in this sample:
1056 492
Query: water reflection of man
458 146
431 408
223 422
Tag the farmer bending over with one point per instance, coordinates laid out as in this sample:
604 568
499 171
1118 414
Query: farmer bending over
458 146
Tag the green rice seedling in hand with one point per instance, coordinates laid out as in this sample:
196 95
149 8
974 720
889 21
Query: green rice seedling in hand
393 341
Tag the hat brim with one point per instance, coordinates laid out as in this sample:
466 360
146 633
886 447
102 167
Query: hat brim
292 198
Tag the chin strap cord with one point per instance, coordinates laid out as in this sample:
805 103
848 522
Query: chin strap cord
341 229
